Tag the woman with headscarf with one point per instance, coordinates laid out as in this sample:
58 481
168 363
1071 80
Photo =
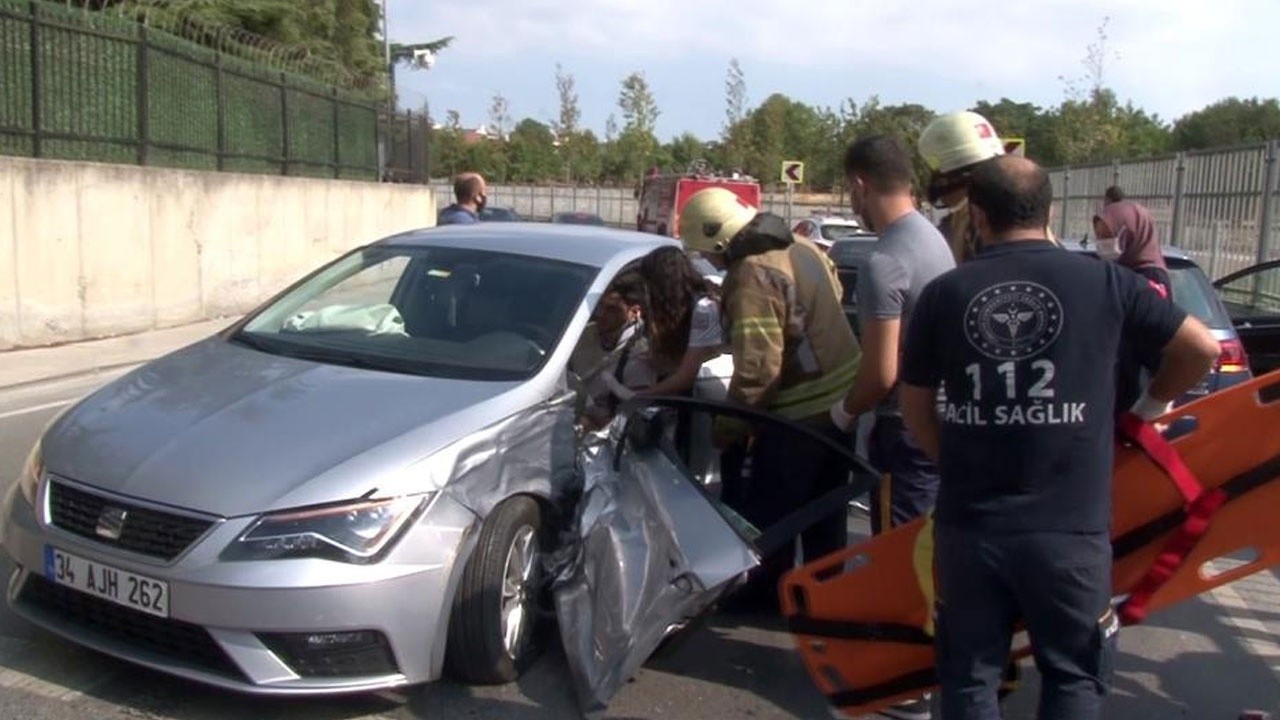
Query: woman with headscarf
1127 235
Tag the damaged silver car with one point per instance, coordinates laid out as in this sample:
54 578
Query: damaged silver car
376 476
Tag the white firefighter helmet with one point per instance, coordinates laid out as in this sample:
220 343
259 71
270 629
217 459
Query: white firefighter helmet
711 218
958 140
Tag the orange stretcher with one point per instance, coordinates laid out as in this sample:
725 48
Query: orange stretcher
862 617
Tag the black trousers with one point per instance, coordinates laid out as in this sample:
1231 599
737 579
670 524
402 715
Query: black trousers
1059 584
912 477
779 474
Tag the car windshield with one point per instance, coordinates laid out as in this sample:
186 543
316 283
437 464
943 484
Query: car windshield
1194 294
441 312
841 232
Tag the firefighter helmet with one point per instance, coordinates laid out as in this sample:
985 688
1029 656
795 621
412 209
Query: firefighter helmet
711 218
958 140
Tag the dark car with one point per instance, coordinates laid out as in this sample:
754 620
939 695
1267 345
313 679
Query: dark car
1193 292
846 253
499 214
578 218
1251 298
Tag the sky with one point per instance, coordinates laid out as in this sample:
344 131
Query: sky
1169 57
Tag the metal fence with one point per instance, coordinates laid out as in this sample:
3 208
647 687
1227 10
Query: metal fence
81 85
1217 205
617 206
406 144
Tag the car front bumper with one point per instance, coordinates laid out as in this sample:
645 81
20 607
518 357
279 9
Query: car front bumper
273 627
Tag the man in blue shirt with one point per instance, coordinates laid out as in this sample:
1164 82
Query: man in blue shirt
1024 339
469 192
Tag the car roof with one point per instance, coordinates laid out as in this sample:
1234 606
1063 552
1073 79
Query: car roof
1170 253
582 244
834 220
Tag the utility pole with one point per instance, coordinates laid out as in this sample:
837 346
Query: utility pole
391 93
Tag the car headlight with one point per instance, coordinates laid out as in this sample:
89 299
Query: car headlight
353 532
32 474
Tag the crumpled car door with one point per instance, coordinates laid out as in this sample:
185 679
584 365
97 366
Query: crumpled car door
651 551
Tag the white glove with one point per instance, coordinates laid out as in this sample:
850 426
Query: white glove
841 417
1148 408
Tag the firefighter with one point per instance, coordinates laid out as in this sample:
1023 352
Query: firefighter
794 355
951 145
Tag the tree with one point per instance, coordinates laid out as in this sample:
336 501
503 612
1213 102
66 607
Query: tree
1025 120
735 100
683 150
585 150
566 125
344 35
531 152
632 152
570 114
499 116
1092 126
904 122
449 150
636 101
1231 121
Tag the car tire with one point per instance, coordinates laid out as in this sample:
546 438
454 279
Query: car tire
499 588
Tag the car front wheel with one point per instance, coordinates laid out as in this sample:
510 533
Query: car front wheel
494 623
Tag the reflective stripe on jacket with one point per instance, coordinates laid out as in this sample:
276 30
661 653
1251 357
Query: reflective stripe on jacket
794 352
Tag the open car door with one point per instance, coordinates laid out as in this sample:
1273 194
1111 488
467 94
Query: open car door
650 549
1252 299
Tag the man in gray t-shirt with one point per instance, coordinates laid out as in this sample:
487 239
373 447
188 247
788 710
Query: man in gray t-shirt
908 255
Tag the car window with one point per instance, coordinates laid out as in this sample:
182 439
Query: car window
1194 294
445 312
1253 296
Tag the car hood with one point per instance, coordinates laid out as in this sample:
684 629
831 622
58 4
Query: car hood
227 430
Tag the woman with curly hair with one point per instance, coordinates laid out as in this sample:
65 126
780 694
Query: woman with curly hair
683 318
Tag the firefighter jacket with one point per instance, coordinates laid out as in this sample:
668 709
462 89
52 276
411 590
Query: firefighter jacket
794 352
961 236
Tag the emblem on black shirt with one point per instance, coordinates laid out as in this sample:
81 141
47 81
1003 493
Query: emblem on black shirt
1013 320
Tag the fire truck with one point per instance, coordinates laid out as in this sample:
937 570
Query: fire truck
662 196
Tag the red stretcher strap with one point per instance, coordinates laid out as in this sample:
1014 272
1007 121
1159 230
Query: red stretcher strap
1201 504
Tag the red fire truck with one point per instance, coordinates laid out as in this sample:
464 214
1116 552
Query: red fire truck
662 196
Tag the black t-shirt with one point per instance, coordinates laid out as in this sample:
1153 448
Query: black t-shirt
1024 340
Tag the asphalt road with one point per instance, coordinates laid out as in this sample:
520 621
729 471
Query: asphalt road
1207 659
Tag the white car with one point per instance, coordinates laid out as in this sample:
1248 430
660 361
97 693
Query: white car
824 230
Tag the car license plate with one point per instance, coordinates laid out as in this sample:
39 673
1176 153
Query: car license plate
119 586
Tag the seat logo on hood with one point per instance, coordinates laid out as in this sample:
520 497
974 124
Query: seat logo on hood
111 522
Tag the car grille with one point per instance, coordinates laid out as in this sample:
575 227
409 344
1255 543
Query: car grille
170 638
145 531
358 654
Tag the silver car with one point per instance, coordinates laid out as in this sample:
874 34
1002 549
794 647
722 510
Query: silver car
376 475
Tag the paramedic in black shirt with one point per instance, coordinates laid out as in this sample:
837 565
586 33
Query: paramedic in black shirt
1023 340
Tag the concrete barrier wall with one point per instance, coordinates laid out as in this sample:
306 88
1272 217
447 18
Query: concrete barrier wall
92 250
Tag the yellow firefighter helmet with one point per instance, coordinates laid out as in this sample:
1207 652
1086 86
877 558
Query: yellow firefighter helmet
958 140
711 218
